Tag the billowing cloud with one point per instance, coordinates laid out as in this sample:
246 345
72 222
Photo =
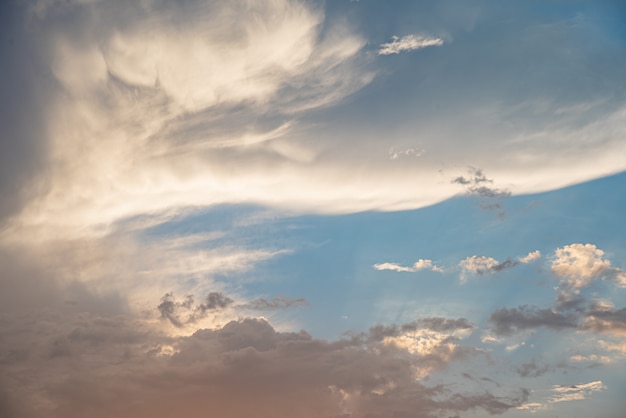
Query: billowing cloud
578 265
120 364
408 43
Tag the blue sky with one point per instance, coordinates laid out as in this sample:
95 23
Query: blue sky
313 209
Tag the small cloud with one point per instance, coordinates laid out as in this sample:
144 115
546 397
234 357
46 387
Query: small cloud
532 256
408 43
407 152
532 369
532 407
590 358
418 265
490 339
576 392
481 265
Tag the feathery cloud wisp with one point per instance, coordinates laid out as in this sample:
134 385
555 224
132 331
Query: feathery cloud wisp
408 43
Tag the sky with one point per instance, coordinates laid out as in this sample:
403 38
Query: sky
312 209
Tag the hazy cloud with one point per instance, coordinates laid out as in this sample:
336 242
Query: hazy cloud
408 43
506 321
278 302
576 392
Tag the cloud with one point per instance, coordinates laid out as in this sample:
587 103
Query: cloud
407 152
576 392
507 321
420 264
611 321
121 364
480 265
476 184
181 313
408 43
578 265
533 369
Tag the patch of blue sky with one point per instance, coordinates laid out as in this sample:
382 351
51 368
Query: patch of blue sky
330 259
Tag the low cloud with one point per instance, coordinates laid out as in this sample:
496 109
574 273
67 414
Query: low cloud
121 365
507 321
408 43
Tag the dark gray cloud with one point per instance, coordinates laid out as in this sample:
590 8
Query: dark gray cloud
533 369
476 185
437 324
186 311
507 321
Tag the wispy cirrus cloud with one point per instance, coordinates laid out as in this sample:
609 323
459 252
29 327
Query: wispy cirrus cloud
408 43
576 392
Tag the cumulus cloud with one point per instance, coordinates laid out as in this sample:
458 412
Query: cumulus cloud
578 265
119 363
408 43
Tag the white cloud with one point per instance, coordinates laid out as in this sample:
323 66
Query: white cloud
576 392
578 265
532 407
407 152
478 264
532 256
420 264
408 43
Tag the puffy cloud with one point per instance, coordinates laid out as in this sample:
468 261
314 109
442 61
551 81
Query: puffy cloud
578 265
121 365
408 43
